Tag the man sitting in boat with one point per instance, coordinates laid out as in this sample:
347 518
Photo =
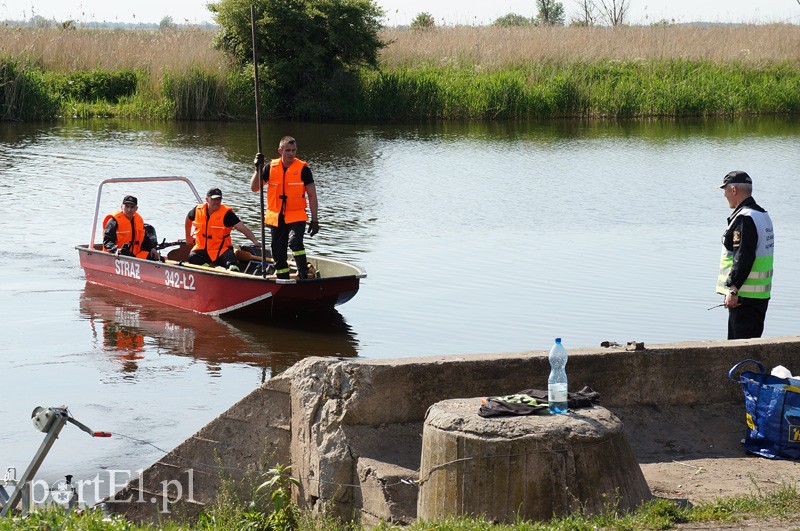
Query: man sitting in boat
208 228
124 232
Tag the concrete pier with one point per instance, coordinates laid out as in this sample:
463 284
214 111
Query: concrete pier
352 429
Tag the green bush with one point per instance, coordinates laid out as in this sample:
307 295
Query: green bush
512 19
23 92
423 21
96 85
303 46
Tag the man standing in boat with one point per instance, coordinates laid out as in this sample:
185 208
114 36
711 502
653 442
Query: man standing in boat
748 244
208 228
289 184
124 233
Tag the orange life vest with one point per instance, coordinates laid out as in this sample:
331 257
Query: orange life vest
127 232
210 233
288 184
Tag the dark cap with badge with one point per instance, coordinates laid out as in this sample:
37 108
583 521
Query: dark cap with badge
130 200
214 193
736 177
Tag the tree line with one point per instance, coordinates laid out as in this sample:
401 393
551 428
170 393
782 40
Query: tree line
551 13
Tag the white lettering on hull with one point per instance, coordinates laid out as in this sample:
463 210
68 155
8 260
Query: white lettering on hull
127 269
177 279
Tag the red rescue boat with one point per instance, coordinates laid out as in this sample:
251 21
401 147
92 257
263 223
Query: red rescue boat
215 291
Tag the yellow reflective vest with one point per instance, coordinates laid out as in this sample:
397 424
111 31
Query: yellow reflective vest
758 284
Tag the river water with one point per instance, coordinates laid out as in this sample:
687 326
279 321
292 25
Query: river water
475 237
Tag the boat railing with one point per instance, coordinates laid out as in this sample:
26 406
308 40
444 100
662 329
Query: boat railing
113 180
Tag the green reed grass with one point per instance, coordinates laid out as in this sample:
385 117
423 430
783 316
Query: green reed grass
622 89
23 93
771 510
546 89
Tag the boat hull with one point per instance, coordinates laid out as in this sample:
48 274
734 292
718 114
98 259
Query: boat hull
215 292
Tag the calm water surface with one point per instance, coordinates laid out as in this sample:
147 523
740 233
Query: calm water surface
476 238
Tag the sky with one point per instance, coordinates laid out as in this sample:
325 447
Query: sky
401 12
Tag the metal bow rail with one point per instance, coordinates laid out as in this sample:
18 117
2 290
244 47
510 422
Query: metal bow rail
49 420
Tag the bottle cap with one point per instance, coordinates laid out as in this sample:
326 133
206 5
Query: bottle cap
558 340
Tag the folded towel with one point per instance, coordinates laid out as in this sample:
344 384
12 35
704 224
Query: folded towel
533 402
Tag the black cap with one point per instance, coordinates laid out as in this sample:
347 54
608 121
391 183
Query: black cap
130 200
736 177
214 193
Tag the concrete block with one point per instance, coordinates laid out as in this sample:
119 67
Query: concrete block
532 467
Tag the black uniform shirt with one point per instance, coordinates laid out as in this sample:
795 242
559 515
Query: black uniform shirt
741 238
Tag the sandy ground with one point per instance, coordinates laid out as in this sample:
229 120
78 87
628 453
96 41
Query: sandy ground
695 454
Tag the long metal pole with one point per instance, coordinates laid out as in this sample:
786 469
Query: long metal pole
258 141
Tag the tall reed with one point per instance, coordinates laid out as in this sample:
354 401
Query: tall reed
23 92
86 49
605 88
443 73
501 47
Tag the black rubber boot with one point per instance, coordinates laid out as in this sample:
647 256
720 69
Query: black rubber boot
302 266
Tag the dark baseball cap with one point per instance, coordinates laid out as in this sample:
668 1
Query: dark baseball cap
130 200
736 177
214 193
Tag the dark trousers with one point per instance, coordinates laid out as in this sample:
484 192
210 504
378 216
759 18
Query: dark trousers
201 257
747 321
286 236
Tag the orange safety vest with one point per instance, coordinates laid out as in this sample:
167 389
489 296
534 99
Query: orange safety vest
288 184
210 233
129 234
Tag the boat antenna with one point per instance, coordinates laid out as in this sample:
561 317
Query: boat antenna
258 140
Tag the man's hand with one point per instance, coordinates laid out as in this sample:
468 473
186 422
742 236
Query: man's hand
732 300
259 160
313 227
190 240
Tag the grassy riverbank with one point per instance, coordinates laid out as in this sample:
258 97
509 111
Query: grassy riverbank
777 510
449 73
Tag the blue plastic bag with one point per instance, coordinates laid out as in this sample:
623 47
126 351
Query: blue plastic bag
772 413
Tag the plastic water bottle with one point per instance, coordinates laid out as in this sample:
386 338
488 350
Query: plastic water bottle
557 382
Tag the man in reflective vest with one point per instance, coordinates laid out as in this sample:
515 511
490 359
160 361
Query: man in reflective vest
748 244
208 228
289 183
124 233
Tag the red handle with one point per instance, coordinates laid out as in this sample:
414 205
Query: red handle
101 434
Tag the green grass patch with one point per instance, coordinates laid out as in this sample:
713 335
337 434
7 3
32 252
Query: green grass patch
24 94
231 512
621 89
617 89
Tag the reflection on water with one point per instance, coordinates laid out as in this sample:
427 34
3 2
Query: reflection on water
130 329
477 237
